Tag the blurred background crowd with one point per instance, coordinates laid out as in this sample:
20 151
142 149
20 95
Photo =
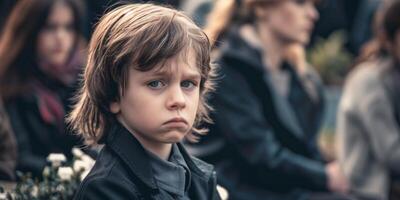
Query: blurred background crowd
307 104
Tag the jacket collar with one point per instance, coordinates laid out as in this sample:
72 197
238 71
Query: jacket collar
196 166
236 48
173 175
132 153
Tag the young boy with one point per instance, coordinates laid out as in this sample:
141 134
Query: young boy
143 91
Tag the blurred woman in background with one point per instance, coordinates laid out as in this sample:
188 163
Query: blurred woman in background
368 132
268 104
39 62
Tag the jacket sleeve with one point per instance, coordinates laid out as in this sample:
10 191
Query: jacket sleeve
239 115
99 188
378 118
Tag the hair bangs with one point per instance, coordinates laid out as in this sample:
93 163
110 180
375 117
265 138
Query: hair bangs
162 40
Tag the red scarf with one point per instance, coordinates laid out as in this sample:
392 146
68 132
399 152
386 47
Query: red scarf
50 105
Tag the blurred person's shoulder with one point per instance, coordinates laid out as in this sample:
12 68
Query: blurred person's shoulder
364 84
366 75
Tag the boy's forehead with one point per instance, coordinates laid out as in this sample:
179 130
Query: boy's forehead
171 67
184 62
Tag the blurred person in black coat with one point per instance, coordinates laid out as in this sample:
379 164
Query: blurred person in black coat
39 65
268 105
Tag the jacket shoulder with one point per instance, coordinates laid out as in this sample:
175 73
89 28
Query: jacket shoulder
106 187
107 180
204 167
210 177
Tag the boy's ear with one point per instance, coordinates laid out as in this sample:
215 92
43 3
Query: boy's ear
114 107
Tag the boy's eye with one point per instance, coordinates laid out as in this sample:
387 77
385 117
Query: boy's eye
156 84
188 84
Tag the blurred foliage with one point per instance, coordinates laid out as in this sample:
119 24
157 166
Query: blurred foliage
60 179
330 57
52 187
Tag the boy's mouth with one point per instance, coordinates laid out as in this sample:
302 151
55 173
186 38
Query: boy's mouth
177 120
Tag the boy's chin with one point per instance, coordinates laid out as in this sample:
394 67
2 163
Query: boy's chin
174 137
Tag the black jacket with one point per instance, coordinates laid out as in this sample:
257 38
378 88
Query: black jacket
36 138
123 171
269 148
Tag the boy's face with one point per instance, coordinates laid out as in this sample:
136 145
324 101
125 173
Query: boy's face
160 106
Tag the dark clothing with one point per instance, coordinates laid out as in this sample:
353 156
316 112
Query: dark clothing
269 148
123 171
8 148
37 120
172 176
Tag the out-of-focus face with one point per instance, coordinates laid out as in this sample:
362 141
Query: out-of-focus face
56 39
159 106
291 20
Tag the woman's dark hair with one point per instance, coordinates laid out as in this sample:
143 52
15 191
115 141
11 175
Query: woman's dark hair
18 42
386 25
391 20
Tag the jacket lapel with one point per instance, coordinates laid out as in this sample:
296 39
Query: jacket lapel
252 66
202 173
284 110
131 152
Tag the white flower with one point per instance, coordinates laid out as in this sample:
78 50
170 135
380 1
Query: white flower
46 171
77 152
88 160
3 196
84 174
60 188
35 191
65 173
81 165
223 193
56 159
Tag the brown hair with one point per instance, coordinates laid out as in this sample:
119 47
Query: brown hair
18 43
140 36
385 26
226 13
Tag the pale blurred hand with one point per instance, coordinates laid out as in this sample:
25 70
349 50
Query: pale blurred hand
337 182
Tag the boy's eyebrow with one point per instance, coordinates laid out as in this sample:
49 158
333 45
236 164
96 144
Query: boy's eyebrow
190 75
160 73
193 76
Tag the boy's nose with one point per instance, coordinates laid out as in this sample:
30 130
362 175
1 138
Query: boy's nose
176 100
